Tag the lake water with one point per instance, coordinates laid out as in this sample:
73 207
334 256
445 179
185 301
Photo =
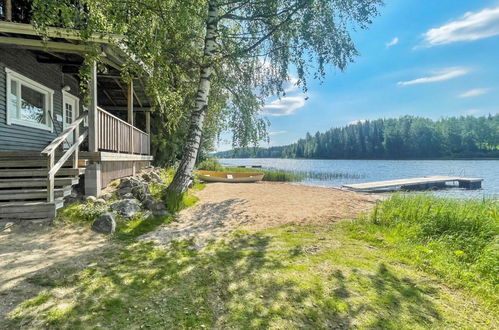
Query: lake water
334 173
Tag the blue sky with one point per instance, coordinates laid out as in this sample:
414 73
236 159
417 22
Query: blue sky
424 58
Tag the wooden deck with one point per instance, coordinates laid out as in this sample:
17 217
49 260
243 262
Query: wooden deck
424 183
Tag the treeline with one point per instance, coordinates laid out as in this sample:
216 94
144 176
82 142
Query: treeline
407 137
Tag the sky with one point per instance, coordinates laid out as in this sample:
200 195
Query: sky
420 57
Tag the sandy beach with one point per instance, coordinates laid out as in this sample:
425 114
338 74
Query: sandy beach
225 207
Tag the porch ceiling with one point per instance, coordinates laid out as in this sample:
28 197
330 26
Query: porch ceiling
65 48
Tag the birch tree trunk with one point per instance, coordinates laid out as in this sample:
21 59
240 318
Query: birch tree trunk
183 176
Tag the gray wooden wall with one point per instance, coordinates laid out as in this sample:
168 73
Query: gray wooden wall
16 137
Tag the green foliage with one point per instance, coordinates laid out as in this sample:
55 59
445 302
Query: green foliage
402 138
270 175
210 164
456 239
81 212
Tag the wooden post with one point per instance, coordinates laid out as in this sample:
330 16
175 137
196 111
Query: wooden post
50 178
93 129
148 122
130 102
8 10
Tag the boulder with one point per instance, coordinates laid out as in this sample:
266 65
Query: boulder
141 191
146 177
155 176
105 224
123 191
158 208
126 207
100 201
128 196
91 199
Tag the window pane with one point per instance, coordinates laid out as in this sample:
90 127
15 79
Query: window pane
33 105
12 99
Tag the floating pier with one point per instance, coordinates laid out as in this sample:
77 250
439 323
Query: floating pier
425 183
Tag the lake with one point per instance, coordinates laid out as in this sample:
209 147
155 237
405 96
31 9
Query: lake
334 173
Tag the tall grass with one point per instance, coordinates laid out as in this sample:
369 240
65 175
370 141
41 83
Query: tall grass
456 239
212 164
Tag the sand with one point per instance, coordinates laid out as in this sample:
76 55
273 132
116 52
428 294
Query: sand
225 207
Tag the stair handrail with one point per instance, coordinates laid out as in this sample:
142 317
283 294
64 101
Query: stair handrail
49 151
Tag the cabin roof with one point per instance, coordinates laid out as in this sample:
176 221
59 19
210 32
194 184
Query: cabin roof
67 48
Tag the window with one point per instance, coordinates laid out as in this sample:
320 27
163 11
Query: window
28 102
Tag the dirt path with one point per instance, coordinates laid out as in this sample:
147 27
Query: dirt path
26 255
224 207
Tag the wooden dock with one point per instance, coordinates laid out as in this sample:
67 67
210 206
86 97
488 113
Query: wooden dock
425 183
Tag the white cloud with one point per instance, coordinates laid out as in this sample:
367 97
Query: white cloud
441 75
291 85
472 112
472 26
274 133
393 42
284 106
356 122
474 92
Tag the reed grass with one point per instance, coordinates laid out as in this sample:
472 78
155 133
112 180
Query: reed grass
454 239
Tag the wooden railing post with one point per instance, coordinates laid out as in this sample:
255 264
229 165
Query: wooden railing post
93 122
50 178
76 135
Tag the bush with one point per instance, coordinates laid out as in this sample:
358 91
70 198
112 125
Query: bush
210 164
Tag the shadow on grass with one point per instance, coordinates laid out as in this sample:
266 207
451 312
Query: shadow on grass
241 283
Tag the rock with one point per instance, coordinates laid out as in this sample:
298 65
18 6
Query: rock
100 201
146 177
105 224
126 207
107 196
141 191
158 208
124 191
91 199
156 177
128 196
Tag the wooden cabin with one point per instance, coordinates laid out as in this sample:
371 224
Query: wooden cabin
50 139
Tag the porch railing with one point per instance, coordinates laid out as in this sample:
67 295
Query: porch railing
116 135
49 151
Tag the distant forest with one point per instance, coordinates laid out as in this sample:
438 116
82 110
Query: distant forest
402 138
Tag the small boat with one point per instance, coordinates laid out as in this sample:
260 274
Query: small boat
234 177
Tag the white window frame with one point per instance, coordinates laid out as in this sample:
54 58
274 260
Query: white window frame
77 104
49 100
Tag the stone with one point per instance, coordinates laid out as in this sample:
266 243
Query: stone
141 191
146 177
156 177
91 199
158 208
124 191
107 196
128 196
100 201
105 224
126 207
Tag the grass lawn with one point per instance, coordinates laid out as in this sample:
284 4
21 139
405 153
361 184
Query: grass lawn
284 278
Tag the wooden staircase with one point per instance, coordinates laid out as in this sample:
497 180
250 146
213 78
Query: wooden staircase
33 184
23 185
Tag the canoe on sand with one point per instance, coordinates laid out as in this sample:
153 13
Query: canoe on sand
235 177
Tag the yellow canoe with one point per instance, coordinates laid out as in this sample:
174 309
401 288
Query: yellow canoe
234 177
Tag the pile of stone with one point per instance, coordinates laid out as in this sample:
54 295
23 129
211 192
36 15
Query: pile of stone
134 196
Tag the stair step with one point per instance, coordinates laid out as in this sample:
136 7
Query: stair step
37 182
29 210
27 163
36 172
25 194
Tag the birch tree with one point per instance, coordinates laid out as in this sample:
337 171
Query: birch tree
261 40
